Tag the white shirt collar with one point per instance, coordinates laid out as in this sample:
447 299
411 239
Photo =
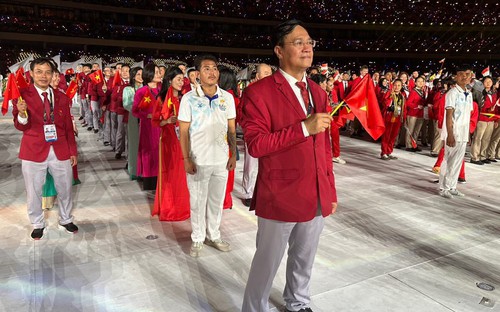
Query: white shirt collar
199 91
291 80
40 91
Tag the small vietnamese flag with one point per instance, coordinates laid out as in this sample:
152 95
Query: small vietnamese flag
96 77
11 93
116 79
72 88
20 80
170 105
486 72
147 100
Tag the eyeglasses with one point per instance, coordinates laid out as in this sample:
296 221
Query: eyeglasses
299 43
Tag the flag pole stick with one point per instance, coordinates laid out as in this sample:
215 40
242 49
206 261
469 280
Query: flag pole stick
337 108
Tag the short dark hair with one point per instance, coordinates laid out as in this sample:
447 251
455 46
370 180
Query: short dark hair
463 67
283 29
204 57
190 71
148 73
318 78
126 65
363 67
43 60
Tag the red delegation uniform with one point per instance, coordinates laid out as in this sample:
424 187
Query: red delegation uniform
341 89
33 144
117 100
293 170
392 122
488 107
415 99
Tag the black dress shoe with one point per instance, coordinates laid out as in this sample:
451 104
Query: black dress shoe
106 143
486 161
70 228
118 156
476 162
492 160
301 310
460 180
81 118
37 234
96 130
89 128
247 202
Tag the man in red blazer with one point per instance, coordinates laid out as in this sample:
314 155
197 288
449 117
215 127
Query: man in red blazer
285 121
48 142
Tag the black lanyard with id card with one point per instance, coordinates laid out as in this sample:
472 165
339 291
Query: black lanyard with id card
49 128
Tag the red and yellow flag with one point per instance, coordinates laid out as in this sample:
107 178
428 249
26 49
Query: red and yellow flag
364 105
96 77
170 105
72 88
11 93
147 100
20 79
116 79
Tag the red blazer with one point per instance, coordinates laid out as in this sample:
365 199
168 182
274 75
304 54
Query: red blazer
293 169
33 144
341 91
414 100
488 107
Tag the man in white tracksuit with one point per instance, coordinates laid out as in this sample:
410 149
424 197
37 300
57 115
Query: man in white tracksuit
455 132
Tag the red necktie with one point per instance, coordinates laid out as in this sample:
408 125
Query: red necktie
305 95
46 103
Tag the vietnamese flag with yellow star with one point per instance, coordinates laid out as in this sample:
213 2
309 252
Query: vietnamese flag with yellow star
20 79
11 93
363 103
147 100
170 105
96 77
72 88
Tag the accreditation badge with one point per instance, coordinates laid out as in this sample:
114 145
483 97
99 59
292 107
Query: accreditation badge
50 133
178 132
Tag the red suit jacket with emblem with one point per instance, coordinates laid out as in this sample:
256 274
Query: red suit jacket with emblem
293 170
33 144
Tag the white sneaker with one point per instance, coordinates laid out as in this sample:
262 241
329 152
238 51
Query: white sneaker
445 194
384 157
218 244
392 156
338 160
195 250
456 192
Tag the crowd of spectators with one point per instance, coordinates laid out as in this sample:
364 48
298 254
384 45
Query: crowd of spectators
342 12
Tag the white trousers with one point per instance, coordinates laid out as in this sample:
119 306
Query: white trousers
34 174
272 239
206 194
250 170
453 157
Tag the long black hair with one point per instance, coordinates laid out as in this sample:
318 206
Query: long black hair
133 72
165 84
227 80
